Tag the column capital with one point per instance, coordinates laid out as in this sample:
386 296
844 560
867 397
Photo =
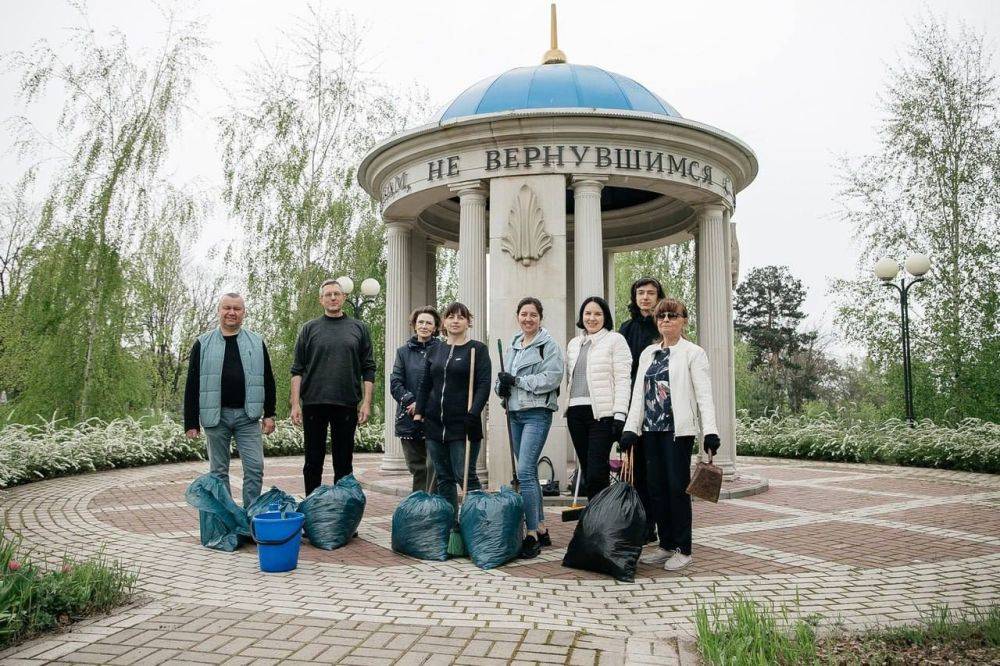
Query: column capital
399 226
587 182
709 208
469 187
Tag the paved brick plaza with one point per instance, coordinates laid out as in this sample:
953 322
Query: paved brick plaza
851 542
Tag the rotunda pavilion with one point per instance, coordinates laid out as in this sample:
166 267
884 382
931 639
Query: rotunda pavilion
548 171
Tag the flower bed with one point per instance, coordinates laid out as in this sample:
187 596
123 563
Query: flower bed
972 445
48 450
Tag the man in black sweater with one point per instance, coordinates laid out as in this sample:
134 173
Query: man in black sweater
640 332
230 386
333 377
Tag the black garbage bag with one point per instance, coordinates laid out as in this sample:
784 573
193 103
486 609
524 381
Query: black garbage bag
421 525
275 495
610 534
492 526
333 513
223 523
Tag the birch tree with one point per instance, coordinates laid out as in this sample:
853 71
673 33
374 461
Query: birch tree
933 187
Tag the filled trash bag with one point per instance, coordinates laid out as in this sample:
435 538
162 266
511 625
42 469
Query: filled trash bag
333 513
421 525
281 500
491 525
610 534
223 523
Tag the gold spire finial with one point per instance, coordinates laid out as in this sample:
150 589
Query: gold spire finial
554 55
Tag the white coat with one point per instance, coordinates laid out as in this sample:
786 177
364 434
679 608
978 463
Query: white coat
609 368
690 391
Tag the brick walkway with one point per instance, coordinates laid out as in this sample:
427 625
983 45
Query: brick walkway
854 543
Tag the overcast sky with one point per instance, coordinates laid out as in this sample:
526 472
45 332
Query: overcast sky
797 81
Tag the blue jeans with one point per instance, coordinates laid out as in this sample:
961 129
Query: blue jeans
236 423
448 458
528 430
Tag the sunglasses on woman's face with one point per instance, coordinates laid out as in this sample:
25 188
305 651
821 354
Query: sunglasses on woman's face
668 315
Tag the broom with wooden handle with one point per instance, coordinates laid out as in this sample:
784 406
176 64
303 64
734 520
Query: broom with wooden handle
456 547
573 511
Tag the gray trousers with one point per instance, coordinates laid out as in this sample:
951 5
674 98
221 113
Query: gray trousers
249 443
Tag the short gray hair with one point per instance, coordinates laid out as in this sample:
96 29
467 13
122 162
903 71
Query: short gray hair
327 283
233 294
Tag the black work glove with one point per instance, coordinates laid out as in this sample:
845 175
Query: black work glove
617 428
507 382
473 427
628 439
711 444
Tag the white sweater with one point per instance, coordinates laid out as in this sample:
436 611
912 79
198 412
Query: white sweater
609 366
690 390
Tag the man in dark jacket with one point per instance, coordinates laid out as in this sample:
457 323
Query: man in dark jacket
640 332
333 376
229 389
404 385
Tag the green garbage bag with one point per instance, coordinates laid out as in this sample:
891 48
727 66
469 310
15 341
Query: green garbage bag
421 525
333 513
222 522
492 526
275 495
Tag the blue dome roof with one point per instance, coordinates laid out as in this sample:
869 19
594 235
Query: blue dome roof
556 86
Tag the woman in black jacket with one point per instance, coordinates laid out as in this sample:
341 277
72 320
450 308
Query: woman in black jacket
442 402
404 384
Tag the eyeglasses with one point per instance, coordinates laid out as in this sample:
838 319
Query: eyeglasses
668 315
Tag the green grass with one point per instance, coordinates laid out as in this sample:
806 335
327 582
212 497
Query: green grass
33 599
745 632
741 631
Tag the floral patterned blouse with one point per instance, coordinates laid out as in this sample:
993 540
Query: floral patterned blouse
658 415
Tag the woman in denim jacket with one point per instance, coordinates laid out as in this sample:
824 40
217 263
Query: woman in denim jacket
535 368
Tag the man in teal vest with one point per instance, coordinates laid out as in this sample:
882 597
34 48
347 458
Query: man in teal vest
230 386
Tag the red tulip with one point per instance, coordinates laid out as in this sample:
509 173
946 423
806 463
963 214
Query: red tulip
14 565
66 568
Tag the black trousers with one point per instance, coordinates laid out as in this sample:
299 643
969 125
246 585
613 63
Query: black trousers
640 484
592 439
668 471
341 421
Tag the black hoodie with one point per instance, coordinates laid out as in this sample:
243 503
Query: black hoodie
639 332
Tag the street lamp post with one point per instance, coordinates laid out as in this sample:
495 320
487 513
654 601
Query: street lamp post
886 270
370 288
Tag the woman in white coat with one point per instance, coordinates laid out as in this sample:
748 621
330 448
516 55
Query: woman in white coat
671 404
598 365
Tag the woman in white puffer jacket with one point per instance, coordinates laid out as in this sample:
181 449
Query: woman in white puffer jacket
598 366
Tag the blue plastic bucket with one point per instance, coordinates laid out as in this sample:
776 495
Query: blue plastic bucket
278 536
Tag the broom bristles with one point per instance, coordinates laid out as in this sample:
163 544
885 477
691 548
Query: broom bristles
456 547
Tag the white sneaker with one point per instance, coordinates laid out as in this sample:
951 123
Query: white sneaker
658 556
677 561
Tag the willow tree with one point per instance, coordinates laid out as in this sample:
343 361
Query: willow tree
119 107
934 187
290 149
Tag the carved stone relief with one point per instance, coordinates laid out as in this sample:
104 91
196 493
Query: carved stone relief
526 239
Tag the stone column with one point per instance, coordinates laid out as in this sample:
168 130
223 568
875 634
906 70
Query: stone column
397 309
715 324
431 266
472 252
609 281
472 232
588 255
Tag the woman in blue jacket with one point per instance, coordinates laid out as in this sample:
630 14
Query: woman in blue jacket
404 384
535 369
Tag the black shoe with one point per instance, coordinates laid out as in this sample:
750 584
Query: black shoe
530 548
544 539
